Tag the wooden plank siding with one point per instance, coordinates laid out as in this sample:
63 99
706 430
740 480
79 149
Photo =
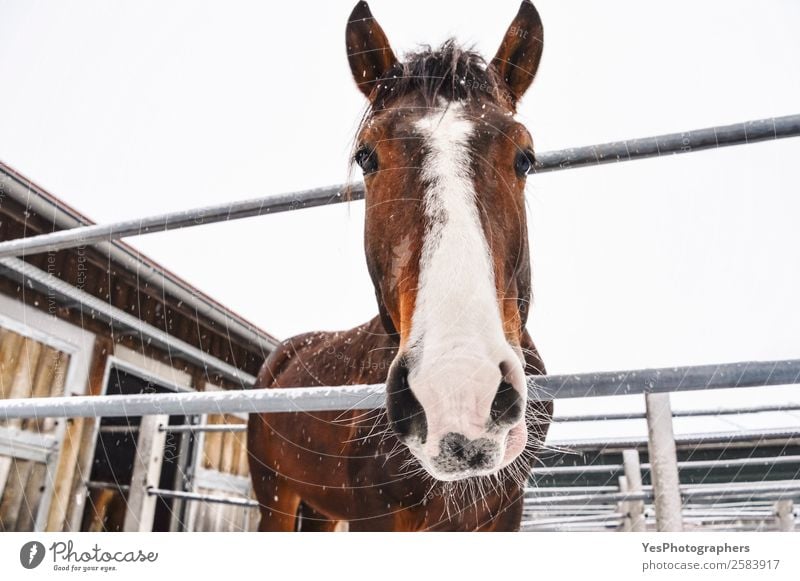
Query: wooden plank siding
224 453
28 368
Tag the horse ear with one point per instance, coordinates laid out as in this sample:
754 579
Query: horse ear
518 57
368 48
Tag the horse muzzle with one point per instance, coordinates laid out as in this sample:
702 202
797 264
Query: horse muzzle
459 425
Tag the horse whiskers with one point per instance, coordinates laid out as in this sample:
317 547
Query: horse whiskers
370 434
543 447
376 349
356 418
354 406
532 413
377 420
396 450
361 423
416 469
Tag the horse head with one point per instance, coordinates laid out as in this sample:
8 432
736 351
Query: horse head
445 165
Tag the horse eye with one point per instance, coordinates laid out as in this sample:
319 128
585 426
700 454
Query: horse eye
523 163
367 159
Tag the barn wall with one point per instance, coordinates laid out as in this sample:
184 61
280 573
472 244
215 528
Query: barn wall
42 355
156 368
103 349
28 368
91 270
222 470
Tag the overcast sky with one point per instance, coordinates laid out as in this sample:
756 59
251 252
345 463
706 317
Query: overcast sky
130 109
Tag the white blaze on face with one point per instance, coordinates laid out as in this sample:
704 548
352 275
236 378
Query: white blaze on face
457 341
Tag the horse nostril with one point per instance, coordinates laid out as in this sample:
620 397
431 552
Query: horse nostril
507 404
454 445
459 453
478 460
406 415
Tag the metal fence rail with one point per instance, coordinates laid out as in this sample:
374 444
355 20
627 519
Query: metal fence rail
779 489
683 440
766 461
605 153
362 397
718 411
194 496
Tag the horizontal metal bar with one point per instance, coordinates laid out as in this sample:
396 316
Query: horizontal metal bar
274 204
764 496
574 519
693 512
543 511
613 152
575 528
589 469
729 437
246 502
569 524
363 397
612 498
730 504
119 429
683 465
610 416
98 485
568 509
671 143
205 428
790 489
779 491
535 492
734 463
669 379
541 491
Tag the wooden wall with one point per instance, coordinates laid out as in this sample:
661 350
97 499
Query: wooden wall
28 368
223 458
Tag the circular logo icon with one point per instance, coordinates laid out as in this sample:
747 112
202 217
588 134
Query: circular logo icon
31 554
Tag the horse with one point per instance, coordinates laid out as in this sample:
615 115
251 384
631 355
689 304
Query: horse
444 165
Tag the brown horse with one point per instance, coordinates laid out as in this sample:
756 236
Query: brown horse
444 165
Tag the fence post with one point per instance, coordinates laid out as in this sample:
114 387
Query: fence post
663 463
624 506
633 474
784 514
146 474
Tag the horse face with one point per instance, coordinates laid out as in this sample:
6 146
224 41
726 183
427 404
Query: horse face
444 166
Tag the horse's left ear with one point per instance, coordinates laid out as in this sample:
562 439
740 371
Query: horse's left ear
368 49
518 57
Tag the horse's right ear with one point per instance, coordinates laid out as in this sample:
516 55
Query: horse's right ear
368 48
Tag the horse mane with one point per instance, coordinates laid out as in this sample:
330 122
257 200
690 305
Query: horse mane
451 72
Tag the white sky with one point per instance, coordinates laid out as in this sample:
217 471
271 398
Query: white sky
130 109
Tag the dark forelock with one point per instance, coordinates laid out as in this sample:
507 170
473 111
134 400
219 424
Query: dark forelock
450 71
